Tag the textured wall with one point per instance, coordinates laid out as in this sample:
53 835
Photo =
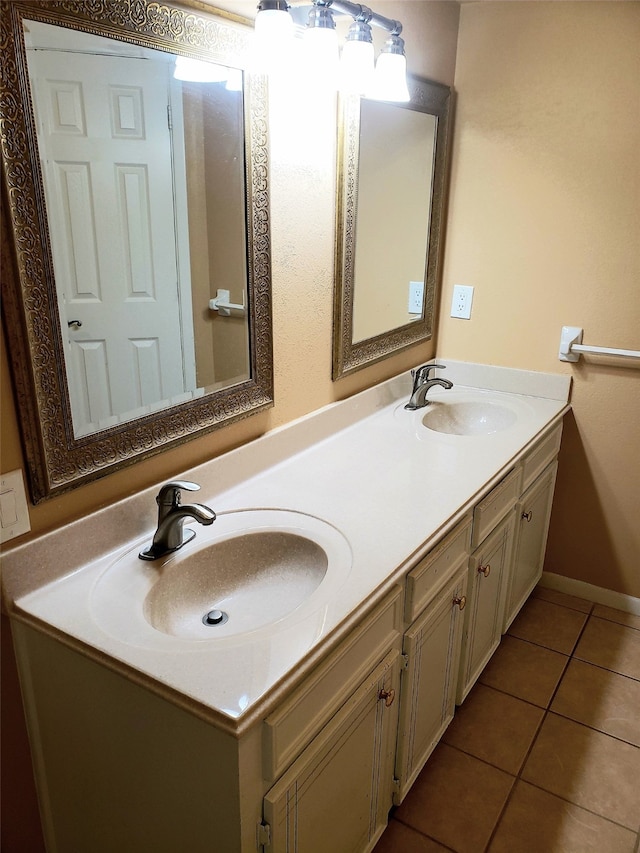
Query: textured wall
302 218
544 216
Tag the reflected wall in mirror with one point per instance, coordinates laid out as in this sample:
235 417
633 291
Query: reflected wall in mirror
139 313
392 173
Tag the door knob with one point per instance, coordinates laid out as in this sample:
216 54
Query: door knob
387 695
485 570
74 324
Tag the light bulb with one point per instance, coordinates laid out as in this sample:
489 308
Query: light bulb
390 79
199 71
321 48
356 66
273 35
234 80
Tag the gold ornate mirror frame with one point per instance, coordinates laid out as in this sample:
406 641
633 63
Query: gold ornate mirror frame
349 356
56 460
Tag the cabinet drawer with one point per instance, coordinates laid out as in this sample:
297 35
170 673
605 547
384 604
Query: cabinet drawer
495 506
288 729
537 459
427 578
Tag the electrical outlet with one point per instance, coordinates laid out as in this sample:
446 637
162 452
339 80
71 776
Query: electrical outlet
461 302
416 297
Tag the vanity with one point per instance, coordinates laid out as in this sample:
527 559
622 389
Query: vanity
300 730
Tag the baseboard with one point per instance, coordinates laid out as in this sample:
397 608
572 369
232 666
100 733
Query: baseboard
597 594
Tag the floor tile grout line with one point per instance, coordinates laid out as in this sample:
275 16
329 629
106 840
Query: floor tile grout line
581 633
482 760
558 604
566 606
424 835
513 776
550 648
615 621
504 692
547 710
558 683
594 729
520 778
537 645
577 805
606 668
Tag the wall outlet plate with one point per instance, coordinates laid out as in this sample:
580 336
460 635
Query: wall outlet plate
416 297
461 302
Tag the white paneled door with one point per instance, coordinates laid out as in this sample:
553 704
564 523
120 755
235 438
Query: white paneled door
106 153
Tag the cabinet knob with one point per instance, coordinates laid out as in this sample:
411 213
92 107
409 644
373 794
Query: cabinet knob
485 570
387 695
461 601
527 515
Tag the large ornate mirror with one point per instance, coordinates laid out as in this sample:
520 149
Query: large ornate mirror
392 171
138 311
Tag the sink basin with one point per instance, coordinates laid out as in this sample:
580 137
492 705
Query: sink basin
468 418
237 578
247 571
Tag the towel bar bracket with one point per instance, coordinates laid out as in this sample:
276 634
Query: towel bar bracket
571 346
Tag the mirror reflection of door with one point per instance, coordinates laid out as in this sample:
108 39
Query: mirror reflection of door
112 196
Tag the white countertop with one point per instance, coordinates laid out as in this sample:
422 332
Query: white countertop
365 466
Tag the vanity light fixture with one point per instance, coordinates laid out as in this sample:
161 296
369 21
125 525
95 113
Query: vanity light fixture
357 75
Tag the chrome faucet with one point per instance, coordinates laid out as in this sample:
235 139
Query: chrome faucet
422 384
171 516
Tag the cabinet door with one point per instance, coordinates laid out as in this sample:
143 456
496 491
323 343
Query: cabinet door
533 514
336 796
427 695
488 572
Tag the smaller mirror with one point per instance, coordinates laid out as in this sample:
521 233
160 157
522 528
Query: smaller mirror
392 169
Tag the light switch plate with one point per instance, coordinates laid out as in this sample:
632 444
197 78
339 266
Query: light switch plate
14 511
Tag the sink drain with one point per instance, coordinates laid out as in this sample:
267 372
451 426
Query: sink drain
215 617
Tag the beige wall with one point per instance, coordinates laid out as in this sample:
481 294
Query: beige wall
302 214
302 218
544 222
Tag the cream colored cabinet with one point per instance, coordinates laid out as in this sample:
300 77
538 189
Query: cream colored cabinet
488 574
432 655
329 747
321 769
532 525
337 794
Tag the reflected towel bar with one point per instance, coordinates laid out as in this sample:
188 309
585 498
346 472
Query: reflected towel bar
571 346
225 308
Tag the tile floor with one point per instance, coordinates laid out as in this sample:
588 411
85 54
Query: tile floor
544 754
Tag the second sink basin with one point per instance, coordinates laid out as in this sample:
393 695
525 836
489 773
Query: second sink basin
468 418
250 569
